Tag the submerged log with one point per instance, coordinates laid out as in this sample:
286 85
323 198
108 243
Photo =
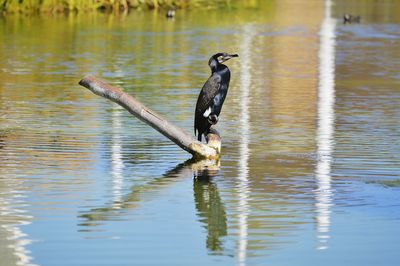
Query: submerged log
156 121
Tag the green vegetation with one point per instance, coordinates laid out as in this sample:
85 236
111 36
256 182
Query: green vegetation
64 6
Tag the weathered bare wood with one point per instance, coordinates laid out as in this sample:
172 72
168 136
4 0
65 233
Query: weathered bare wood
175 134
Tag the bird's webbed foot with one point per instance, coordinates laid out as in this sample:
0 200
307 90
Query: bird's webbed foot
212 119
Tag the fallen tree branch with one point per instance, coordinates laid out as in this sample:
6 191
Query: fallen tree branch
156 121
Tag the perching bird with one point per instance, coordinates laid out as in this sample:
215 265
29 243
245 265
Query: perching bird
212 95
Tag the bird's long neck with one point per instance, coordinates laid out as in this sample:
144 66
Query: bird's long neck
221 69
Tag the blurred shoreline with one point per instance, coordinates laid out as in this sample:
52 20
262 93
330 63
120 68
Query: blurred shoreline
33 7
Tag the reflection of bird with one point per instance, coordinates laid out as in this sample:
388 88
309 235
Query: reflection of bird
212 95
211 211
348 18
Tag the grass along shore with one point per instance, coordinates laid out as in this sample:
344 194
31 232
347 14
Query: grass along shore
65 6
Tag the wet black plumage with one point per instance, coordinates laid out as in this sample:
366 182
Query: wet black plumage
212 95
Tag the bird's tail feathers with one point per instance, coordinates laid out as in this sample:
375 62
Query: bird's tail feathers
199 137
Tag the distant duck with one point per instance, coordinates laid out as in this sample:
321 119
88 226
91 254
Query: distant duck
348 18
170 13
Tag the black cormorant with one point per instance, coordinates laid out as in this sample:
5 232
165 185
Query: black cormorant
212 95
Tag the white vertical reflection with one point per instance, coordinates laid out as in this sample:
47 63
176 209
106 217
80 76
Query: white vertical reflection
325 130
243 188
12 236
116 158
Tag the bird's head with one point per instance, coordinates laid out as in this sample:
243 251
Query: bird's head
219 58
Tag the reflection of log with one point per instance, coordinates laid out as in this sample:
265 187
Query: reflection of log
136 196
175 134
210 207
138 192
205 169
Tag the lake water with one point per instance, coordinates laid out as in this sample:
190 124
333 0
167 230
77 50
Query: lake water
310 166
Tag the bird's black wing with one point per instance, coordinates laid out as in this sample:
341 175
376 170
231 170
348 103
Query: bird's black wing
207 93
206 96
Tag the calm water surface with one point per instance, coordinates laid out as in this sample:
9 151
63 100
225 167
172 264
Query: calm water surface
310 172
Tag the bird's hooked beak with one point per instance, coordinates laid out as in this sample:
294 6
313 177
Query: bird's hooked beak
226 57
